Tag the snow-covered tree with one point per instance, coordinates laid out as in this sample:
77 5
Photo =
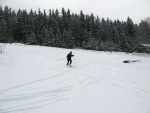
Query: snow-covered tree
58 39
31 39
147 19
3 30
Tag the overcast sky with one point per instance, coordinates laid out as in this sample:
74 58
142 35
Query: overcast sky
113 9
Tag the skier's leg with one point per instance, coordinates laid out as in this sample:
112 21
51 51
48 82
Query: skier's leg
67 62
70 62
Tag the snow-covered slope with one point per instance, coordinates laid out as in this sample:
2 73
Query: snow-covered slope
33 79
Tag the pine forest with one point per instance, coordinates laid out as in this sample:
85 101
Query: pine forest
69 30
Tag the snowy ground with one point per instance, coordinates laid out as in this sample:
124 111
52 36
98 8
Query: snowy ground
32 80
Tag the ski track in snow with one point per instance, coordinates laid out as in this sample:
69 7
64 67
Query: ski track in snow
135 86
46 91
25 98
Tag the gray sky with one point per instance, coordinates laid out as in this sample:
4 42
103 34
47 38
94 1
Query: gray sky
113 9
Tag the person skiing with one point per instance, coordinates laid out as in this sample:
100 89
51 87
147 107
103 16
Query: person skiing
69 58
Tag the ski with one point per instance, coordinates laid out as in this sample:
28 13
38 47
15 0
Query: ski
70 66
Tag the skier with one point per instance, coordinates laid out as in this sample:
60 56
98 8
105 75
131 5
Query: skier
69 58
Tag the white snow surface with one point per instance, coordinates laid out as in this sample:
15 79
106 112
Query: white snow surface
34 79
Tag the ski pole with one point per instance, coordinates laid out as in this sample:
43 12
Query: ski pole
61 59
74 59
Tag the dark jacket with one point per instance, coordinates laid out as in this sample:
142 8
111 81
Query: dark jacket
69 56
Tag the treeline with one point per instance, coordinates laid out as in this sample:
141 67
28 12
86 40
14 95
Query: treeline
68 30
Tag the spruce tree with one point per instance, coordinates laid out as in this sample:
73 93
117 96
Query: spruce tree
31 39
1 12
14 26
130 27
70 40
58 39
3 30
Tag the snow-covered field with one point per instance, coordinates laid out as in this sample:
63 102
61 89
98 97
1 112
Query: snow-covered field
33 79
